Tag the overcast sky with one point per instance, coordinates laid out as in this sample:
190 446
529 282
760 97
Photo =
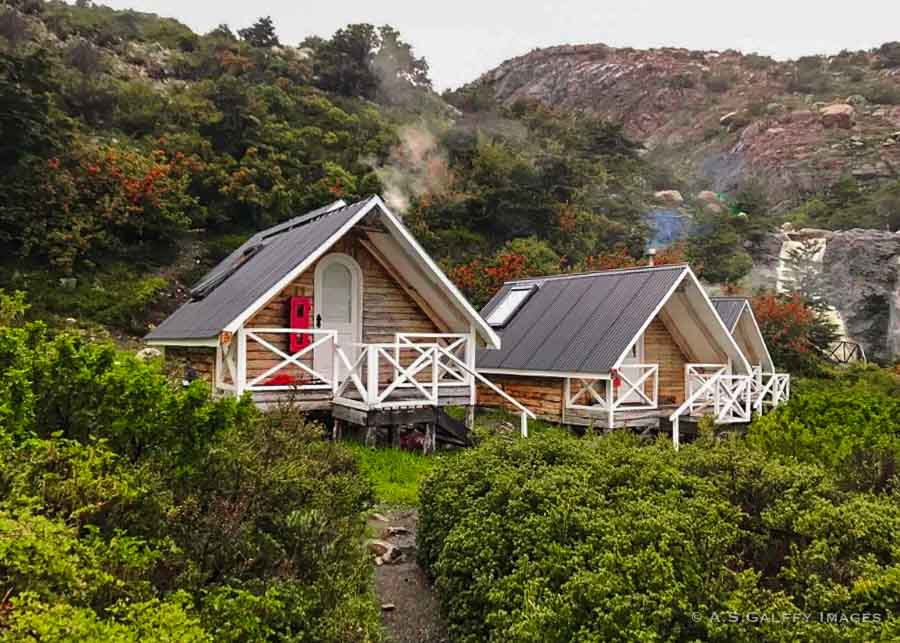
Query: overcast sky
463 38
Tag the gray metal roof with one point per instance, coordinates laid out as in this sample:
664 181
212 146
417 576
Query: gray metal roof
578 323
245 278
729 309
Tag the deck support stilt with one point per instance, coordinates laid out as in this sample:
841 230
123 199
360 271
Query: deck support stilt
337 431
430 438
470 417
370 436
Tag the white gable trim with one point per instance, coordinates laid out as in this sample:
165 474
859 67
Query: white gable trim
400 232
762 340
726 333
491 337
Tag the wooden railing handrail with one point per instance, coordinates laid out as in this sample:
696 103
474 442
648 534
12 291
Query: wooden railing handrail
481 378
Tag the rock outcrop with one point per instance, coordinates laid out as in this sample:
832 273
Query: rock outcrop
856 272
839 115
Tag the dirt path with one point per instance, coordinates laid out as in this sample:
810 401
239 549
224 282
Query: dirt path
410 609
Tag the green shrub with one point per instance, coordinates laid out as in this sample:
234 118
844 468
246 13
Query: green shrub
137 510
850 425
557 539
883 93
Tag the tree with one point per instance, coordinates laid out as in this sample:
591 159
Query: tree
344 64
797 332
260 34
29 124
397 68
714 249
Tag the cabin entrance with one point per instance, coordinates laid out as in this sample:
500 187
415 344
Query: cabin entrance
338 307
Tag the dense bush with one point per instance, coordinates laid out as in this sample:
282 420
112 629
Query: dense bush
849 425
558 539
134 510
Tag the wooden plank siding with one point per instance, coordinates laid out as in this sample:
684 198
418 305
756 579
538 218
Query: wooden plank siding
387 309
660 348
542 395
201 358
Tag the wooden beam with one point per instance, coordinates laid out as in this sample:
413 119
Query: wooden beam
407 288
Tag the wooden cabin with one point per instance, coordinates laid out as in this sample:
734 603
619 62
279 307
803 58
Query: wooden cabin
339 310
771 388
640 347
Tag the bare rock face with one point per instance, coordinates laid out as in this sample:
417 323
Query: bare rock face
859 277
718 116
838 115
710 201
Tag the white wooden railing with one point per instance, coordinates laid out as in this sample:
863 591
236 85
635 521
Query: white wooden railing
234 375
418 343
420 367
729 399
771 390
631 394
423 378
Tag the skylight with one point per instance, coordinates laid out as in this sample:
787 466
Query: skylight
509 305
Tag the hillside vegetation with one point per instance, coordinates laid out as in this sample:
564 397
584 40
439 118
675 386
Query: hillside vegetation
136 153
132 509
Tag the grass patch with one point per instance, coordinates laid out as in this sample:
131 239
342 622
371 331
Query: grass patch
395 474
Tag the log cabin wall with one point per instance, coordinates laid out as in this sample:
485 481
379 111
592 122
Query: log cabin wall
543 395
387 309
660 348
200 358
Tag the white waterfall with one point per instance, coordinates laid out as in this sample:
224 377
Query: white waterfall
788 275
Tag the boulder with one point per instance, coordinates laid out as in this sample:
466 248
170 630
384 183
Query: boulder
857 100
838 115
669 197
709 200
385 553
149 353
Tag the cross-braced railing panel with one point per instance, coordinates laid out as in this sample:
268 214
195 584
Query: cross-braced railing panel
587 394
632 391
696 377
414 345
270 367
771 391
732 399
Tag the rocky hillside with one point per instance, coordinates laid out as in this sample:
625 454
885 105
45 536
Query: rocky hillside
719 119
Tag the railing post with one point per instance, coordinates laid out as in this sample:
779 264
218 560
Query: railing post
470 362
335 366
241 362
435 371
610 402
372 374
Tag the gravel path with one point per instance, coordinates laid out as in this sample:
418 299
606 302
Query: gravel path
410 609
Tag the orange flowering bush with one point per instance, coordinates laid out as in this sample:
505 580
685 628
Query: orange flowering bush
103 201
620 258
796 333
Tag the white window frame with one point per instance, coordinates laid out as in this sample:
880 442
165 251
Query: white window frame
528 290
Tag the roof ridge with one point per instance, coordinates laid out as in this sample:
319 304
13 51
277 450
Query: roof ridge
596 273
